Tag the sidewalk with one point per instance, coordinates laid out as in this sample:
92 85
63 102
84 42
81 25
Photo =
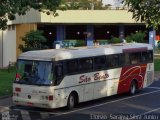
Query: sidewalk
157 75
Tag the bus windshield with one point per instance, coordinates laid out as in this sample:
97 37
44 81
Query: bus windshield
34 72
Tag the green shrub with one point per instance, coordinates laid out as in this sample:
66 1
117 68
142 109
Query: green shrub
136 37
73 43
115 40
33 40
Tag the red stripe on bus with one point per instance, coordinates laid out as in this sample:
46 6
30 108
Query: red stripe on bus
130 73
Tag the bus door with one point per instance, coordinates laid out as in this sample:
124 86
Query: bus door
59 75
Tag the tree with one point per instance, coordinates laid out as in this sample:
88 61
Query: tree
147 11
33 40
69 4
8 8
82 4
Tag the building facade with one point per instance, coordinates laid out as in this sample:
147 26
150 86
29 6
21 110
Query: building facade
86 25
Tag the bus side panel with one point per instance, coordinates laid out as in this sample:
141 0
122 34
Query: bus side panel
130 73
149 77
112 87
68 85
113 80
63 94
100 89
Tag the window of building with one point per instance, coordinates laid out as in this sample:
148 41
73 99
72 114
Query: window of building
75 32
9 27
13 27
105 32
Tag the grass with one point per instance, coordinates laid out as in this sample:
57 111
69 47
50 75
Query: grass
157 64
7 78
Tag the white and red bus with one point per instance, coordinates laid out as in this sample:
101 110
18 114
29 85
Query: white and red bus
64 77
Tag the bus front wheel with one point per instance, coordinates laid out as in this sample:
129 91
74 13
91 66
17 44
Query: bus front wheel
133 88
71 101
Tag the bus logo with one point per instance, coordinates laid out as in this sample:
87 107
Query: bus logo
96 77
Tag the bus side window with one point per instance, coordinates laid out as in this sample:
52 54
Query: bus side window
59 73
126 59
99 63
72 66
85 64
135 58
150 56
147 56
113 61
122 60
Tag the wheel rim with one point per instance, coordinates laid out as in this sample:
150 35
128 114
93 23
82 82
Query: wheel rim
133 88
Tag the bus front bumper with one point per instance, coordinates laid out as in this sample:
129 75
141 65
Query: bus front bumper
33 103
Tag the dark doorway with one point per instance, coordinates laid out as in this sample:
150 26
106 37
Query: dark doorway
105 32
75 32
129 29
49 33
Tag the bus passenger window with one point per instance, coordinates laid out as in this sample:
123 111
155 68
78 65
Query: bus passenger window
27 70
126 59
59 71
72 66
85 64
112 61
147 56
99 63
135 58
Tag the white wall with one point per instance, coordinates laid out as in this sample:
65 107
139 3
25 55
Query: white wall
9 46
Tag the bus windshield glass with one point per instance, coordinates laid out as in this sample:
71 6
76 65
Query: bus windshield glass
34 72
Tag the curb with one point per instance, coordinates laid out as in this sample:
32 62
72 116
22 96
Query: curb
6 96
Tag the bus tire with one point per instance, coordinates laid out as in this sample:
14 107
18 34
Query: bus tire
71 101
133 87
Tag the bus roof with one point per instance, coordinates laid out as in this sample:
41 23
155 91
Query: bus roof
81 52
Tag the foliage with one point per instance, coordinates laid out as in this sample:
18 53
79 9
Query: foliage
157 64
80 43
70 5
33 40
147 11
73 43
158 45
81 4
8 8
6 80
136 37
115 40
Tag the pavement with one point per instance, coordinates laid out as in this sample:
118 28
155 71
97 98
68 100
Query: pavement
157 75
